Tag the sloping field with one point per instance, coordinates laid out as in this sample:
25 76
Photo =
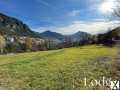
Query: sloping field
54 70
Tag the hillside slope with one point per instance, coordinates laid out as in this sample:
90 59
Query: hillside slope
13 26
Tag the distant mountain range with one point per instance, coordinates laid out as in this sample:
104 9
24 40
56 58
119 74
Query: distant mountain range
57 36
12 26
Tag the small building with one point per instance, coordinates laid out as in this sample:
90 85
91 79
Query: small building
115 33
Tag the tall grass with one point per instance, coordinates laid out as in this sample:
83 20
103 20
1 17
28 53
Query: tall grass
54 70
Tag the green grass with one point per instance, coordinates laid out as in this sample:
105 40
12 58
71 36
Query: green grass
54 70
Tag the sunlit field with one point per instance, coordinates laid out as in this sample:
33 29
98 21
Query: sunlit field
55 70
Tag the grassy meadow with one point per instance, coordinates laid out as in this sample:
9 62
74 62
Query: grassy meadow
56 69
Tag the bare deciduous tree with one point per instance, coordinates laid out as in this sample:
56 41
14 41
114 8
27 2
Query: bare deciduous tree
2 44
28 44
116 9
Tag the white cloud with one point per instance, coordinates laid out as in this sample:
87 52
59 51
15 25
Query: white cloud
74 13
93 27
43 2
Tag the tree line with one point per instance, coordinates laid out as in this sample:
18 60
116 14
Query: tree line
27 44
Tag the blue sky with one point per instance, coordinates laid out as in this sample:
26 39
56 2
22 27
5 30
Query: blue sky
57 15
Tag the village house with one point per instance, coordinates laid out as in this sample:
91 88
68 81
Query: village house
115 34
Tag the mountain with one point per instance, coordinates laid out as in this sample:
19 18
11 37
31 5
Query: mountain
59 37
13 26
80 36
52 35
